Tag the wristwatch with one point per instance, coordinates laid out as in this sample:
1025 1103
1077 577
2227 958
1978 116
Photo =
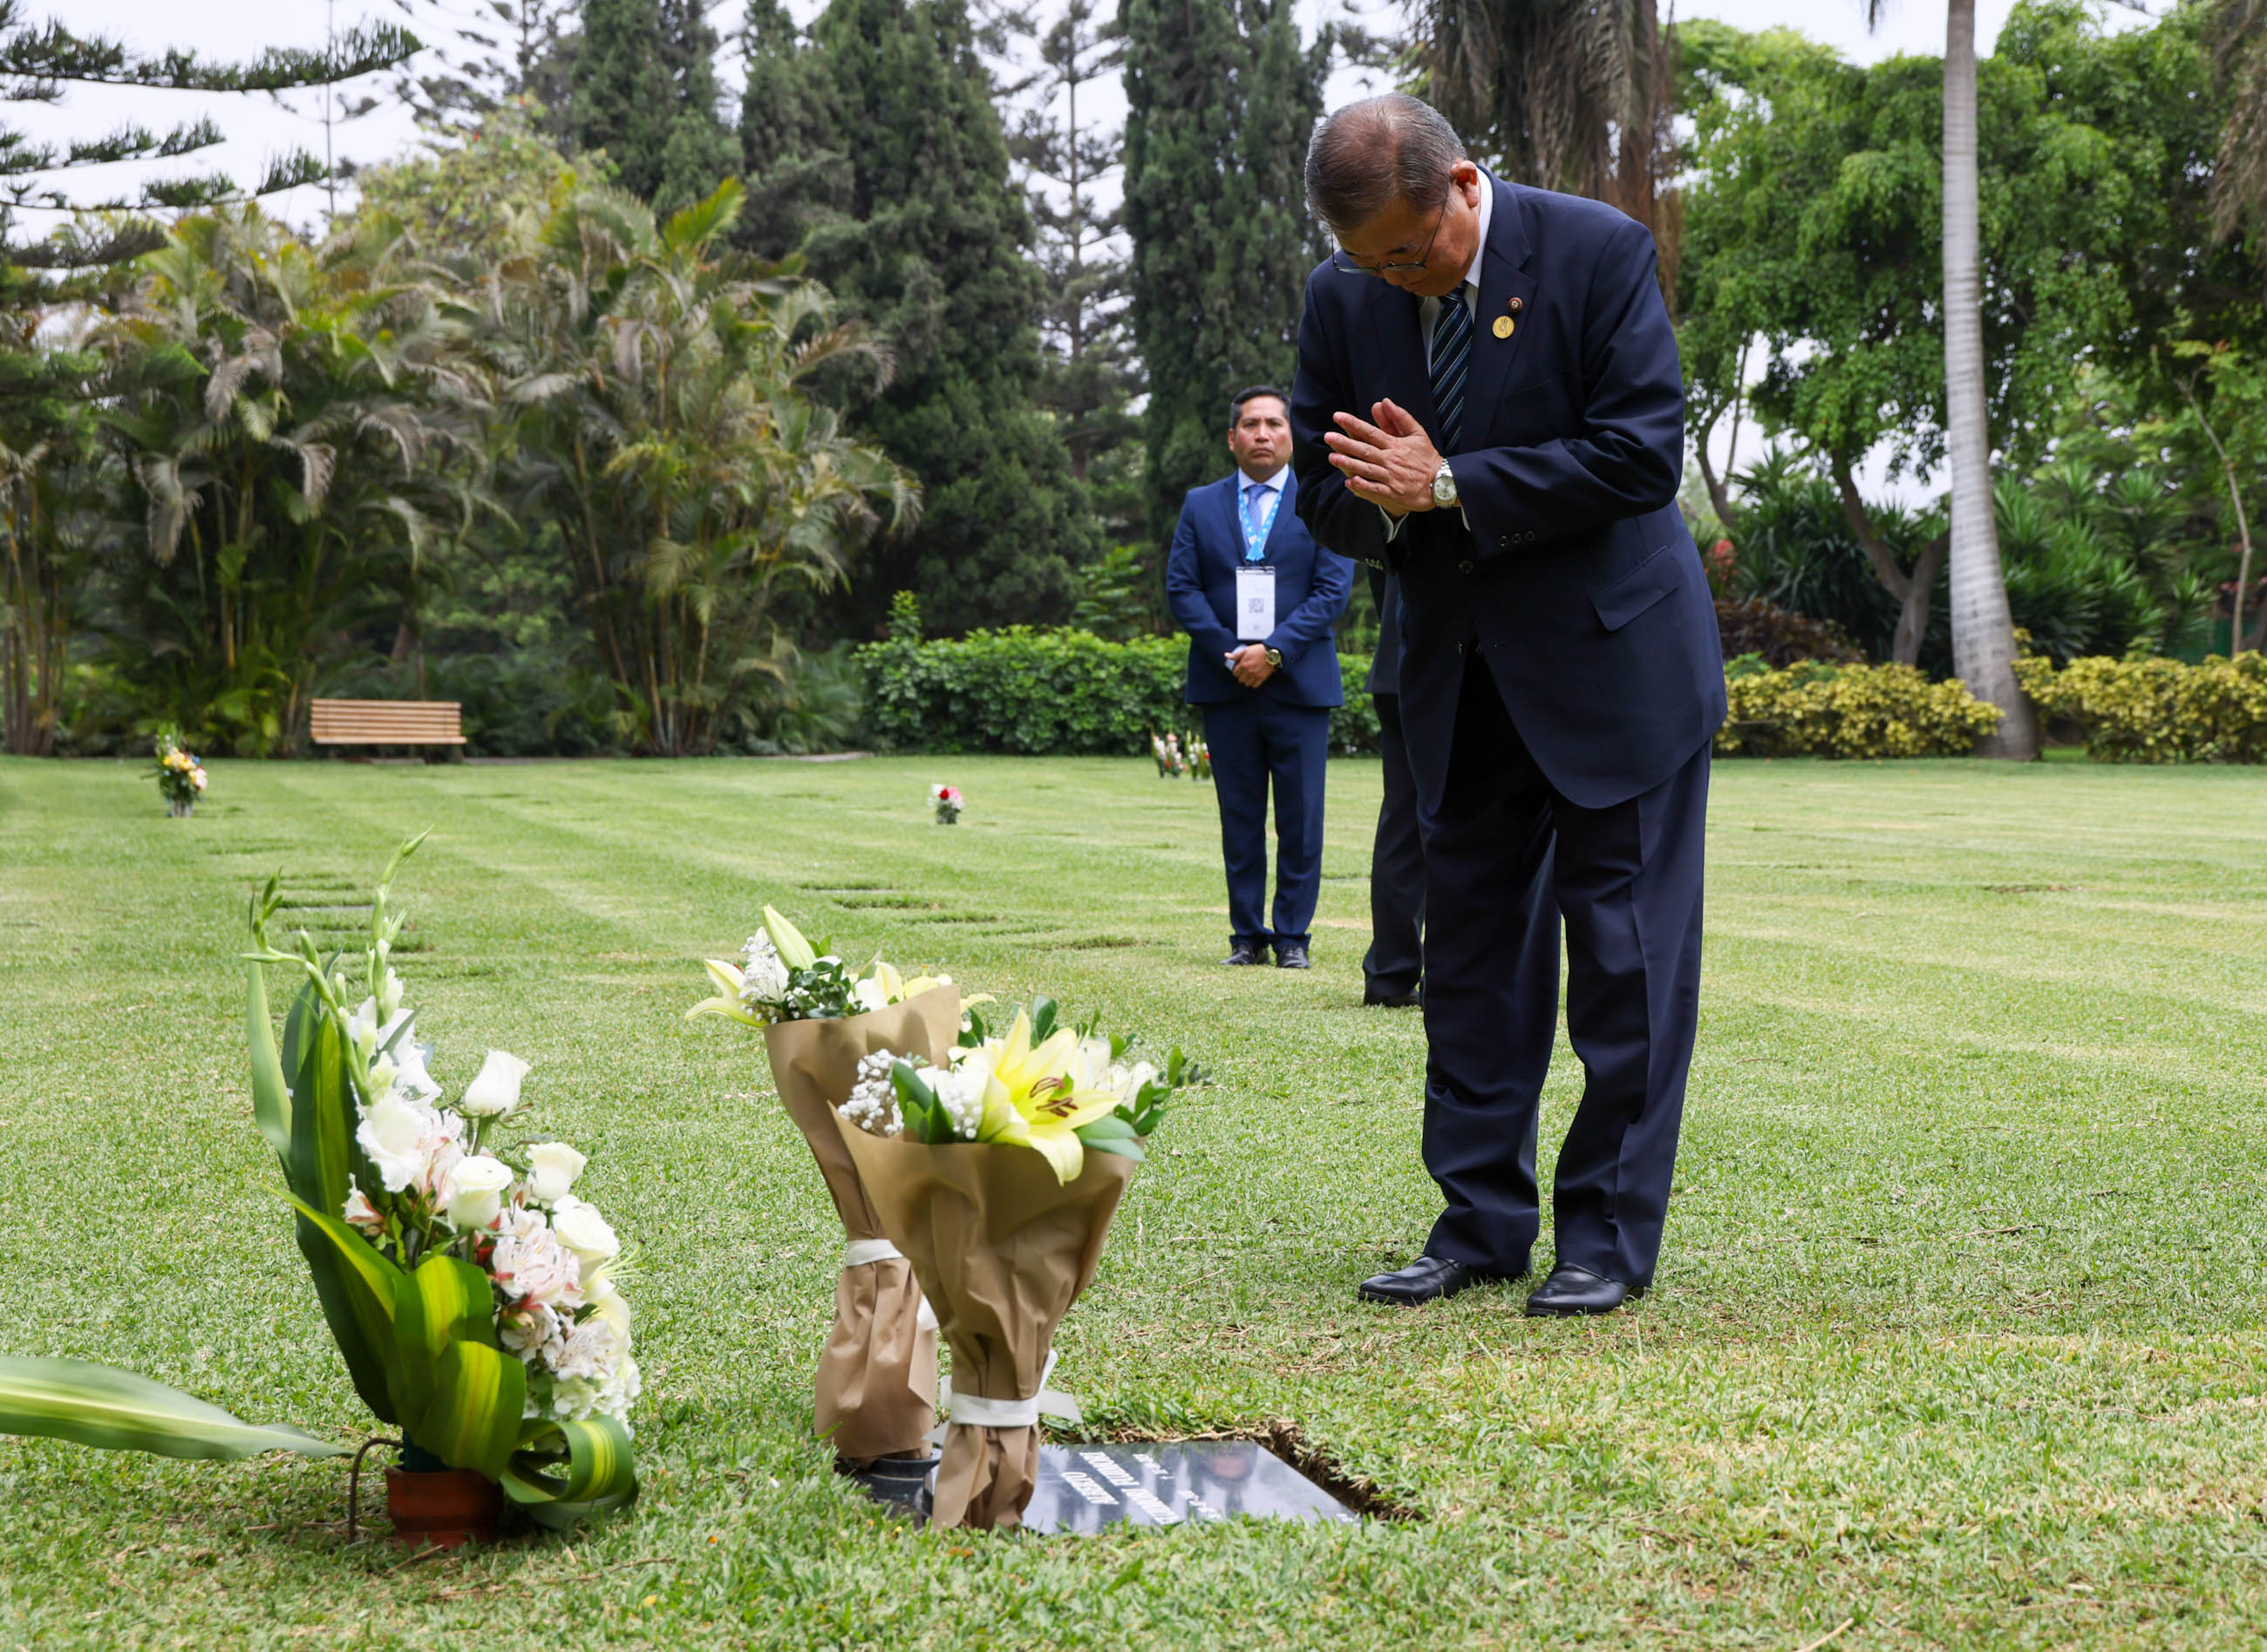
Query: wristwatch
1444 485
1275 658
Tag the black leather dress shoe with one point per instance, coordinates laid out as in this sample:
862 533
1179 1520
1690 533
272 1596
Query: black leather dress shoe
1426 1279
1393 998
1291 955
1572 1290
1240 955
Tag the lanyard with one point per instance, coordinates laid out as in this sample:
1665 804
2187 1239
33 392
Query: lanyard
1255 534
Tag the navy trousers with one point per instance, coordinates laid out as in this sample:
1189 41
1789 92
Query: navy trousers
1257 741
1396 962
1507 859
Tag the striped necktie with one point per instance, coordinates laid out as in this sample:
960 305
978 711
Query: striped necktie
1452 359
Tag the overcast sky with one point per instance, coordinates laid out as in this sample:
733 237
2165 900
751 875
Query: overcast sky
258 129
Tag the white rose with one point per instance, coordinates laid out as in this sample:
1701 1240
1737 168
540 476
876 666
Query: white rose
473 1195
495 1092
552 1167
394 1136
582 1230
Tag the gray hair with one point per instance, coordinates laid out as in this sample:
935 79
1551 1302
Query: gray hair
1369 155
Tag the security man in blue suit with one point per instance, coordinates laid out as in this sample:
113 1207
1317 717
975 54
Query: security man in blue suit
1258 599
1489 402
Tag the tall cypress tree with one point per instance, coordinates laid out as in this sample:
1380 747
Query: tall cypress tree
793 167
698 150
1220 100
645 91
926 247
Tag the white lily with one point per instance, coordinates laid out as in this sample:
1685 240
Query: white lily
731 984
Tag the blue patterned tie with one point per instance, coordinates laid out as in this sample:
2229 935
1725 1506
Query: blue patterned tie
1452 359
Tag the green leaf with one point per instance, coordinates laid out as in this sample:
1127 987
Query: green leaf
323 1110
271 1099
99 1405
358 1289
446 1300
1044 1013
1123 1147
601 1476
471 1421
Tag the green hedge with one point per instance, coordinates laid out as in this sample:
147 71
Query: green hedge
2152 710
1813 709
1034 692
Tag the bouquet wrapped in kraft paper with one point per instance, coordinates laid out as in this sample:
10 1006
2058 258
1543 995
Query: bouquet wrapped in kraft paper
875 1394
997 1173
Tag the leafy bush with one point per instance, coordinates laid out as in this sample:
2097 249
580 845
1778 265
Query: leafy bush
1034 692
1751 625
1814 709
2145 710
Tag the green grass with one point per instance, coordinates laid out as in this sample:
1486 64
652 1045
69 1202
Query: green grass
1956 1332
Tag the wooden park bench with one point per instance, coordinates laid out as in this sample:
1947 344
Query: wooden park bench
386 723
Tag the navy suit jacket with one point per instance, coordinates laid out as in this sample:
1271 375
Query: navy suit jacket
1311 587
1576 578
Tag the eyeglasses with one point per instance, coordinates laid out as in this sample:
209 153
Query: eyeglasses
1347 266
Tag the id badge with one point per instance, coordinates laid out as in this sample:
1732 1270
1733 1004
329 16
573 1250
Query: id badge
1255 604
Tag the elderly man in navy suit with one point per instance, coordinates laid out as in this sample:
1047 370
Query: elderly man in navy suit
1489 402
1258 599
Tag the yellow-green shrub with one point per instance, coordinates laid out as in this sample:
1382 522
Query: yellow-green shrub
2146 710
1812 709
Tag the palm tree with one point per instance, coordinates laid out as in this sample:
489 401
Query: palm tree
289 437
1983 630
1575 95
655 380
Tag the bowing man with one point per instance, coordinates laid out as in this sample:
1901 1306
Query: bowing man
1489 403
1258 599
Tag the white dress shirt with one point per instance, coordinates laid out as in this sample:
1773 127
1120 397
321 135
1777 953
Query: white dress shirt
1428 317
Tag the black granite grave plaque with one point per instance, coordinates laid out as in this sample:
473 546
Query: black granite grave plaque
1086 1488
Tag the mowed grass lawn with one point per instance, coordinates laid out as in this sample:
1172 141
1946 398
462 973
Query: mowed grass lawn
1956 1335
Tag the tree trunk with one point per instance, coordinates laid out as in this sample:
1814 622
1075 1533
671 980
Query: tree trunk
1982 632
1912 591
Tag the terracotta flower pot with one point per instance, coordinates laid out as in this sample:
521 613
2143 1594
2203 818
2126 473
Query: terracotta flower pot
442 1507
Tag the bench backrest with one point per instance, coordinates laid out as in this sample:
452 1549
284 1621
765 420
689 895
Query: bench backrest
386 723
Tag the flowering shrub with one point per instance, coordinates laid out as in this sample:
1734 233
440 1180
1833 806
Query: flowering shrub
1814 709
2149 710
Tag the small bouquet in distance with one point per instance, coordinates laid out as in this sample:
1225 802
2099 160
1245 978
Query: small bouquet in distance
1003 1240
875 1395
947 801
180 777
1200 758
1166 748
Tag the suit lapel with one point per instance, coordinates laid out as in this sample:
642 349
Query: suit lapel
1229 491
1503 277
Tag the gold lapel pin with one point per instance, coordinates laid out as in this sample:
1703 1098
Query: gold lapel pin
1503 326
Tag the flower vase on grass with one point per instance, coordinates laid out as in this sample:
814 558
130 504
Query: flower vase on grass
947 801
1002 1240
180 777
474 1297
874 1397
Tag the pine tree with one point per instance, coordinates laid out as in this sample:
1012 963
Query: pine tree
1091 377
1219 99
925 246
